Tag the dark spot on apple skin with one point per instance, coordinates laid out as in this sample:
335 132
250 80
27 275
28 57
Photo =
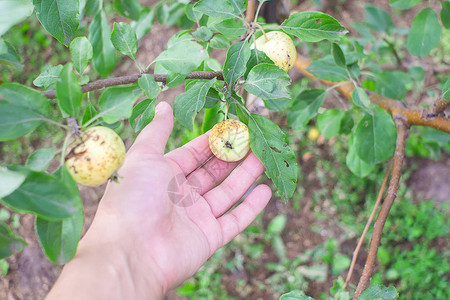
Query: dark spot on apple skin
287 164
228 145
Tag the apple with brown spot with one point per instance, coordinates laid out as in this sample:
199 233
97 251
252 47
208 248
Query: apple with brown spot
95 156
229 140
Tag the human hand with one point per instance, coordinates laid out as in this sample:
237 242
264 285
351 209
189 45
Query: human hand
166 216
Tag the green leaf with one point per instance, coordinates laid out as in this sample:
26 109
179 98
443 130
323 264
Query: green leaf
42 194
59 239
326 69
89 113
392 84
143 113
174 79
329 122
130 9
378 19
148 84
48 76
13 12
237 57
93 7
313 26
192 15
445 14
16 121
212 116
8 55
295 295
189 103
268 143
338 55
256 57
277 225
59 18
231 28
40 159
179 37
68 92
219 42
269 83
229 9
425 33
212 98
340 263
375 137
404 4
117 102
124 39
446 90
10 181
358 166
9 241
360 99
99 35
145 22
379 293
347 123
21 95
305 107
203 33
182 57
81 53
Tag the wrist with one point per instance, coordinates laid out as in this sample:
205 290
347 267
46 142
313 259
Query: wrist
107 269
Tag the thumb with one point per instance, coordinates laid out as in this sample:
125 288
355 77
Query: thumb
153 138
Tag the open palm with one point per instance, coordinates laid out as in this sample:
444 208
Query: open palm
173 211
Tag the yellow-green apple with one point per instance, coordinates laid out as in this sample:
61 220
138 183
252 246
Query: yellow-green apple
279 47
95 156
229 140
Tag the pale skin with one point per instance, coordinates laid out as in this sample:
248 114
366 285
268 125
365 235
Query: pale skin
143 243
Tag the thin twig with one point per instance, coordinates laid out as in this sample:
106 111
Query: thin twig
436 108
414 116
402 134
103 83
369 222
394 51
262 29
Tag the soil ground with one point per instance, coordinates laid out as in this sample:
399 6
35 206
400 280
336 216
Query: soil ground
31 275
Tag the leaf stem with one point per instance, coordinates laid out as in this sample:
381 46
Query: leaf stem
64 147
262 29
55 123
259 8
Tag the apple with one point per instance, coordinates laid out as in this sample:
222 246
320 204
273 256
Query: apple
279 47
95 156
313 134
229 140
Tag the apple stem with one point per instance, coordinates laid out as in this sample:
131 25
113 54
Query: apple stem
262 29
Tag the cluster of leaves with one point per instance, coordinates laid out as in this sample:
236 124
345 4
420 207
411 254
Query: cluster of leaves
23 110
372 140
208 24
